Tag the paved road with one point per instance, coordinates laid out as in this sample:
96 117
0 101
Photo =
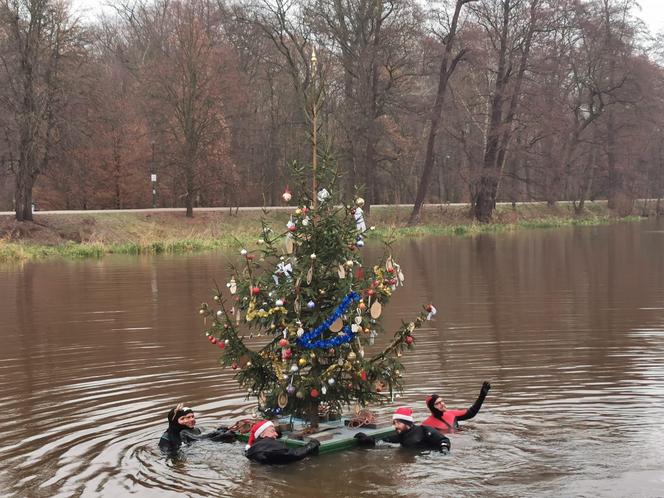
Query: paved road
256 208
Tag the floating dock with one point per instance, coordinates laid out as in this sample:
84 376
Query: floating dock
333 436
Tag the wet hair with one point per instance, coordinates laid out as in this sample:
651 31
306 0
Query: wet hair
431 400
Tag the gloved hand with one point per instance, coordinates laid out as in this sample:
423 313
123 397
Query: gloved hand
485 388
312 446
221 428
364 440
223 435
445 446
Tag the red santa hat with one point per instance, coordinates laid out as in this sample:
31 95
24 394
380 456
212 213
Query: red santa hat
256 430
404 413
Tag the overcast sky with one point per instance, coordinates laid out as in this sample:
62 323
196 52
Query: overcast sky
652 11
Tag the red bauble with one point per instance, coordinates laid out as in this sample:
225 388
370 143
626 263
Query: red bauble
221 344
283 343
234 365
213 340
286 354
314 393
409 339
429 307
363 375
255 290
292 228
371 292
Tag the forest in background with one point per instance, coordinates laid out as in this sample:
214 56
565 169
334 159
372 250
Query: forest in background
472 101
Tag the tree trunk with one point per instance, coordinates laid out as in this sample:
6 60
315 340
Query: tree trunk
446 70
485 195
24 184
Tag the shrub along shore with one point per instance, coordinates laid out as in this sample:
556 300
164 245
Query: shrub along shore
94 234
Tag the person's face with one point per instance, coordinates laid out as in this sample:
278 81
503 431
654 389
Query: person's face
189 420
440 405
270 433
399 426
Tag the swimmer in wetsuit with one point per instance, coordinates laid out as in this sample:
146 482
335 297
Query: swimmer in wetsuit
445 420
263 446
408 434
182 430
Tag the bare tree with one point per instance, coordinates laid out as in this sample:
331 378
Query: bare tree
447 66
41 39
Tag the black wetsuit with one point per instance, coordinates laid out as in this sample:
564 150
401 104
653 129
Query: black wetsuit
416 437
268 450
176 435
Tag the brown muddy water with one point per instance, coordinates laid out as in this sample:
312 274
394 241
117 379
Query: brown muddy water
567 324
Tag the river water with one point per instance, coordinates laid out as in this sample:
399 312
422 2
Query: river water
568 325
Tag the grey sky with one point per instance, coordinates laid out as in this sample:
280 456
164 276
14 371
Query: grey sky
652 11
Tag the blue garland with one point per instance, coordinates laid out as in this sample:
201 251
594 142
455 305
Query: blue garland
346 334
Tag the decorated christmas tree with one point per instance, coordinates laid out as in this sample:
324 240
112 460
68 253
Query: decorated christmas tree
305 287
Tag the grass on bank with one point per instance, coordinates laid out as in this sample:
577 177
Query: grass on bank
94 235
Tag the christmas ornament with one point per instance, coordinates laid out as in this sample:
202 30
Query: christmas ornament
337 325
360 225
286 196
376 310
314 393
290 246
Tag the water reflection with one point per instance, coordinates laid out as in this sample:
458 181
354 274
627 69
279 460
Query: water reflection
568 325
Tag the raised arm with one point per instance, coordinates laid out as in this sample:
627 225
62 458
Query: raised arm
473 410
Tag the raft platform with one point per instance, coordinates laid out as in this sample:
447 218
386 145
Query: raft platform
333 436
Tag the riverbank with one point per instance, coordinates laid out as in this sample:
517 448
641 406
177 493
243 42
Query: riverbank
93 234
